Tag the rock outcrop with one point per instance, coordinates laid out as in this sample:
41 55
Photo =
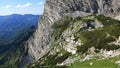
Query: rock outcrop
55 10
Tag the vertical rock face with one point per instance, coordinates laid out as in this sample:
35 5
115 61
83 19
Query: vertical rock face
58 9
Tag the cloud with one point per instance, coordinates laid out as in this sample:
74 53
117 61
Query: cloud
40 3
6 6
24 5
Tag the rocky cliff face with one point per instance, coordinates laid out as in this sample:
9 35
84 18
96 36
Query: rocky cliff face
40 43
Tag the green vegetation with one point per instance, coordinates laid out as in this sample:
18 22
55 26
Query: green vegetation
100 38
97 63
50 61
60 27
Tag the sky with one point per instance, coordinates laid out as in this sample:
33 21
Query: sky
8 7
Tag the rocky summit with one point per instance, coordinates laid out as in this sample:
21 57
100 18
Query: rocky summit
75 34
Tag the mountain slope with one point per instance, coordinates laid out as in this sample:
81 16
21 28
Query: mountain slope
84 41
40 43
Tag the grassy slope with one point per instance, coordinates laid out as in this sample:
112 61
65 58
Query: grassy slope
96 63
97 38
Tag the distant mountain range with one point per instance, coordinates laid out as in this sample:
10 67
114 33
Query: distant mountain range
14 31
11 25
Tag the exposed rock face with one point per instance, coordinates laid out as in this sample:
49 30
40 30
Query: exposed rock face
39 43
91 25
